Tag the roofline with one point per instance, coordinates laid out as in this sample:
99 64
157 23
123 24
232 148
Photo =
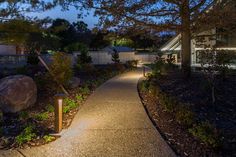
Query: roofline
205 10
169 41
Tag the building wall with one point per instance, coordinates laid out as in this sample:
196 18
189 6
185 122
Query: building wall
7 50
98 57
103 57
205 39
145 58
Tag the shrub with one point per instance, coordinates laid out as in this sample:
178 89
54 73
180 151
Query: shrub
61 68
48 138
88 68
41 80
83 59
32 59
49 108
66 109
144 85
132 63
26 135
22 70
69 104
84 90
23 115
184 115
152 88
206 133
41 116
149 76
79 97
95 83
167 102
158 68
118 67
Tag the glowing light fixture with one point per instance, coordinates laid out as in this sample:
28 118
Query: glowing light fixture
58 112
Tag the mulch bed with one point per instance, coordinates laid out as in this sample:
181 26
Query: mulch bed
196 92
12 125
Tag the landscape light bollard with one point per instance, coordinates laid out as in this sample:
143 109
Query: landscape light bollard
144 72
58 112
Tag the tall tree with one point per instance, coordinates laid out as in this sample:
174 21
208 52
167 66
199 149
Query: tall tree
83 33
18 32
11 9
98 39
27 35
160 15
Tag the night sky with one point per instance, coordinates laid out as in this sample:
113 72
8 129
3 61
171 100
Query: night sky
71 15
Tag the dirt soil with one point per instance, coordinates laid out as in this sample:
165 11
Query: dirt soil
197 92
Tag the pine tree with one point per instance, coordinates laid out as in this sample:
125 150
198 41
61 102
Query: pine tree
115 57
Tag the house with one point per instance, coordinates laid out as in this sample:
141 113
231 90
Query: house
210 37
173 47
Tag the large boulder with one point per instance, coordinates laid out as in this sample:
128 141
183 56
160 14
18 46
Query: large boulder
17 92
74 82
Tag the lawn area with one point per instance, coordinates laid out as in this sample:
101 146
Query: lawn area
183 112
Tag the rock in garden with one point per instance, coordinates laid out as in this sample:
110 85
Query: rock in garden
74 82
17 92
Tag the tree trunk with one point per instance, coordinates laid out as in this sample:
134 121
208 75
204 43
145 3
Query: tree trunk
186 39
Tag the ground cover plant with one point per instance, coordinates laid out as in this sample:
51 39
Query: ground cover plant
182 111
33 126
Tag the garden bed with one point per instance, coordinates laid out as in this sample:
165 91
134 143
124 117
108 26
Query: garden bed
183 113
32 127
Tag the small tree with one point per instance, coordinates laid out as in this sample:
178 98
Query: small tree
61 68
115 57
215 64
84 57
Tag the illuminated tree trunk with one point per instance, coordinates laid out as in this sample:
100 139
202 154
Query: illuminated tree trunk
186 39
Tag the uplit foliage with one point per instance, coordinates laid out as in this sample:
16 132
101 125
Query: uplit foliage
61 68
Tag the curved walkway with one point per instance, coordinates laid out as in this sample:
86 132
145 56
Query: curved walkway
112 122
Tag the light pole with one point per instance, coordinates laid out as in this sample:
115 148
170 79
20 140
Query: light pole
58 112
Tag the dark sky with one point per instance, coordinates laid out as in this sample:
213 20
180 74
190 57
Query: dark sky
71 15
